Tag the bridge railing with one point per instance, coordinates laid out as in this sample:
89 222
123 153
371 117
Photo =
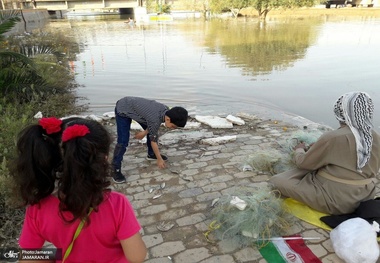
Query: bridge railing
55 5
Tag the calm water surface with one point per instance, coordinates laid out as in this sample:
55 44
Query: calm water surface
297 67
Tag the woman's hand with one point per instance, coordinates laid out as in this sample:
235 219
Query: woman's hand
301 145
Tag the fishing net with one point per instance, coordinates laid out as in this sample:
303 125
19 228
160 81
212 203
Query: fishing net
280 159
263 217
270 161
307 137
251 217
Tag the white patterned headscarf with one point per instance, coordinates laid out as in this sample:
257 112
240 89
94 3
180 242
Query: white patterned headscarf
355 109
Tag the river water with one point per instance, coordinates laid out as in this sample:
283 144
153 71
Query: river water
278 69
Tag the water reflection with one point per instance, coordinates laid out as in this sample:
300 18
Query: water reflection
297 66
260 48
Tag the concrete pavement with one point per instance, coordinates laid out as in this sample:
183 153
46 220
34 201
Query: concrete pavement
180 196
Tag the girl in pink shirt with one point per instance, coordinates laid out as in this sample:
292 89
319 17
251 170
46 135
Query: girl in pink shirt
111 230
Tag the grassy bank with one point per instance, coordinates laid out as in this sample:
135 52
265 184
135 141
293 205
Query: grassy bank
34 77
319 12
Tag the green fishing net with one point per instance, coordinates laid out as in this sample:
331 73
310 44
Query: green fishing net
262 218
270 161
307 137
251 217
280 159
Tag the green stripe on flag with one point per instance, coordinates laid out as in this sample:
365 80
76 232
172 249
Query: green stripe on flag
271 254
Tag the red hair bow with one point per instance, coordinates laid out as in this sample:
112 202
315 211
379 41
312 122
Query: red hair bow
77 130
50 125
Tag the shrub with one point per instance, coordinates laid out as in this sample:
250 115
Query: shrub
34 76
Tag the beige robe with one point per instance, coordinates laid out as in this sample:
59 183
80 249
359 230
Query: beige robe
334 153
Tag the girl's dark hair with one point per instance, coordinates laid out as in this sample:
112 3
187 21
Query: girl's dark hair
85 170
38 159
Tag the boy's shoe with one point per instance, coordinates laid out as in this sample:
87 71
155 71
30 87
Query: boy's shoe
118 177
154 158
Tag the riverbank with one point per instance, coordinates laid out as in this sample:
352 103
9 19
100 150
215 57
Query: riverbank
174 204
209 171
319 11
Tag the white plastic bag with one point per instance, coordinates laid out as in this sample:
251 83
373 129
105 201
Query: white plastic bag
355 241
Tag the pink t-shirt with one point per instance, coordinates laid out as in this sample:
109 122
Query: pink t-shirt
98 242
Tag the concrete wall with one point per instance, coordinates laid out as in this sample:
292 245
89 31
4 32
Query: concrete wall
35 15
30 19
80 5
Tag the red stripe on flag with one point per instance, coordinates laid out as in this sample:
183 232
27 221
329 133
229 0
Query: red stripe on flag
299 246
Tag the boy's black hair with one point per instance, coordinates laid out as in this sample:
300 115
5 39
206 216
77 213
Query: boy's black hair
178 116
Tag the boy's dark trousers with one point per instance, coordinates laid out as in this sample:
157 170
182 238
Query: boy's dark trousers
123 125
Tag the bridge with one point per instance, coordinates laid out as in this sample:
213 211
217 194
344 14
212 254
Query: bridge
59 5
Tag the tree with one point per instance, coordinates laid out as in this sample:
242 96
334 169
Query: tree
25 66
8 20
17 71
264 6
235 6
261 6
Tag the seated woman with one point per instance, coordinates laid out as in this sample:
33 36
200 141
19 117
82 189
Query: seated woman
338 171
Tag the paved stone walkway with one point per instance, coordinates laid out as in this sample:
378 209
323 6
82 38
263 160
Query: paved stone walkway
196 175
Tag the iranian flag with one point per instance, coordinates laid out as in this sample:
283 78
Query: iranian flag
291 249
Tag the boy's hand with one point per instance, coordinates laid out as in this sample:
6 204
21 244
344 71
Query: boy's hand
141 135
161 163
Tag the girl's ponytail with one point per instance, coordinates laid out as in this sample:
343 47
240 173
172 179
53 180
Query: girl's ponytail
39 157
85 146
